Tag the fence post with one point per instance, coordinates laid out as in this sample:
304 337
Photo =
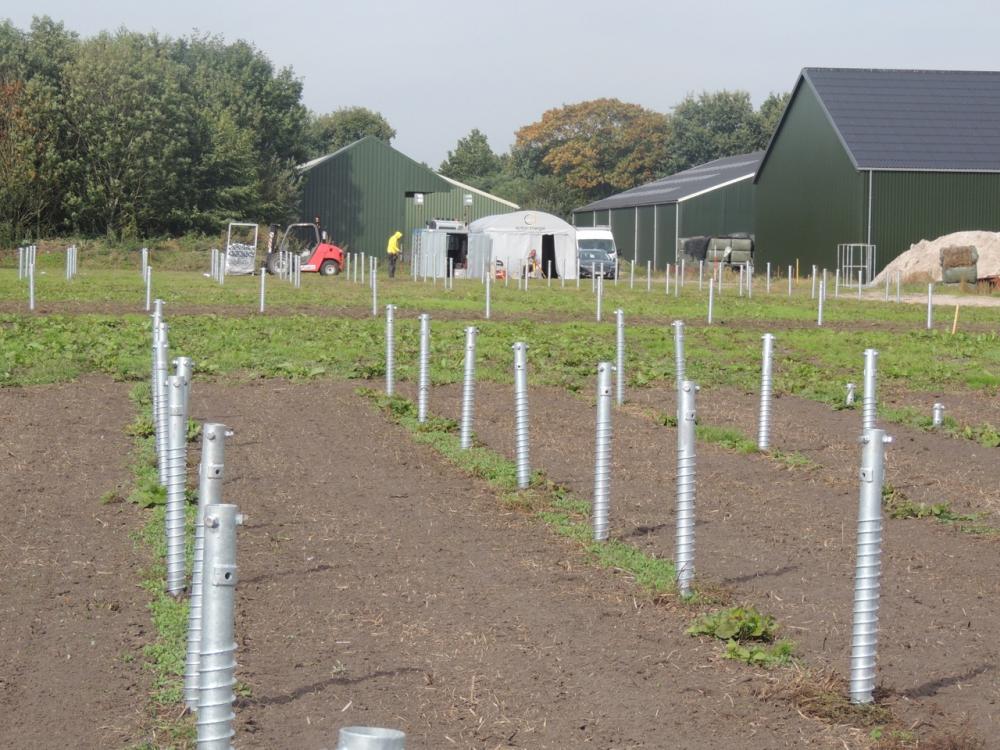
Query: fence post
213 446
523 460
868 567
217 661
468 389
684 556
766 388
620 356
602 453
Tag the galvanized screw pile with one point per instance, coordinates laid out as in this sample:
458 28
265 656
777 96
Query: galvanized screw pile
619 356
390 349
868 396
161 357
819 308
468 388
489 281
937 415
213 446
600 293
766 387
423 375
930 306
711 298
144 262
149 284
31 287
522 459
849 399
217 661
176 476
684 556
602 454
374 296
263 277
370 738
679 350
868 567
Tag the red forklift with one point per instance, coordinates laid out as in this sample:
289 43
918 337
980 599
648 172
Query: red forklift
305 240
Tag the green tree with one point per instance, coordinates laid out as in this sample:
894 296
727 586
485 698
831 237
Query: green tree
334 130
711 126
472 161
595 148
769 115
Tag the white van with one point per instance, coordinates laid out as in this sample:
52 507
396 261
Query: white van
596 238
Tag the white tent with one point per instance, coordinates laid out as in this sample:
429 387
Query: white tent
510 238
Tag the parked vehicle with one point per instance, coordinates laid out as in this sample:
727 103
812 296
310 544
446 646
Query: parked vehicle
597 238
304 240
594 262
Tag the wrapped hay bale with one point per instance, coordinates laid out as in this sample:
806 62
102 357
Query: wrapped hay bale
959 263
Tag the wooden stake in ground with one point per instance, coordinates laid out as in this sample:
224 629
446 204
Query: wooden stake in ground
954 323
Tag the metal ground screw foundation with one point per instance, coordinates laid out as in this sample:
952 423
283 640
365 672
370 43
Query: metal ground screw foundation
619 356
711 298
489 283
684 554
149 285
930 306
371 738
468 389
849 399
868 567
678 351
766 388
217 660
602 453
161 358
423 375
263 282
868 406
937 415
176 482
522 457
390 350
210 472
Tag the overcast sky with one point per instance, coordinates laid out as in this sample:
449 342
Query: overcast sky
438 68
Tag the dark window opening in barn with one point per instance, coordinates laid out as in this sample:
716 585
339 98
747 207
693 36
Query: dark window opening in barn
458 250
549 256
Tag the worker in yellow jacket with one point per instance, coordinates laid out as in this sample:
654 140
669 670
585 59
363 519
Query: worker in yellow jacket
393 250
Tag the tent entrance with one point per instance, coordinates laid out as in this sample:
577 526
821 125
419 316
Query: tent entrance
458 250
549 256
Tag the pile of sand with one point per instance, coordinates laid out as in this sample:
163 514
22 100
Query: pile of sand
922 262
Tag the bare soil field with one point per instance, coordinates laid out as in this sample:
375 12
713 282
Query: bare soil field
381 586
783 539
73 619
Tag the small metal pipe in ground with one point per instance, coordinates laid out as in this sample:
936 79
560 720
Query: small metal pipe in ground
602 453
31 287
217 660
930 307
149 285
789 281
489 284
631 275
701 274
937 415
812 293
600 295
160 371
263 278
176 483
868 406
521 443
423 375
619 356
836 284
370 738
859 286
374 296
649 276
678 326
684 553
868 567
767 277
849 398
210 471
819 308
468 389
390 349
711 298
766 389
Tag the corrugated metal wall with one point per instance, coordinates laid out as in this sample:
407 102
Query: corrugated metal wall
666 234
645 234
723 211
583 219
450 205
912 206
360 193
809 197
623 229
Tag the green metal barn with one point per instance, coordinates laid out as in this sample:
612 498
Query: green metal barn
879 157
367 190
647 221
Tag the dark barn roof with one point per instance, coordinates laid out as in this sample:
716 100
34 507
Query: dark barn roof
677 187
931 120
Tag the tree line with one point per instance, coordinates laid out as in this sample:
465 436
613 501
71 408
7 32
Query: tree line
129 135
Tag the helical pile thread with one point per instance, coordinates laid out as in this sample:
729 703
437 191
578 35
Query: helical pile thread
684 556
867 571
160 384
176 477
468 389
423 376
679 350
521 445
602 453
154 393
868 397
766 390
620 356
390 349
